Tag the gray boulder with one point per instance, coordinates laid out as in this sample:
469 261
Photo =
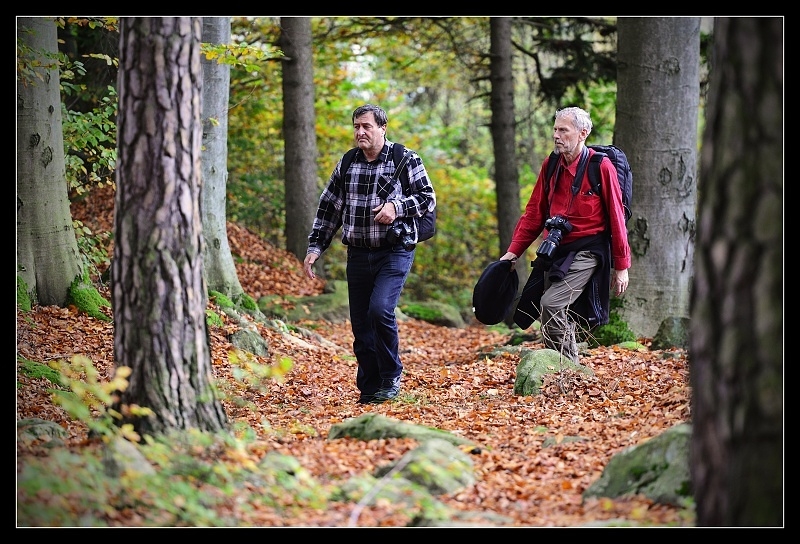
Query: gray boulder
375 426
657 469
436 465
672 333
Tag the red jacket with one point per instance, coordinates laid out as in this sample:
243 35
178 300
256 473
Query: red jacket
586 210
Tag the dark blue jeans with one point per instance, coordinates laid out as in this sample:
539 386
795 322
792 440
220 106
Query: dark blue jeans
375 279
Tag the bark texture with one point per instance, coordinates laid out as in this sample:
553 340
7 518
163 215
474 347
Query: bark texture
158 289
737 302
503 128
300 135
220 270
656 125
47 250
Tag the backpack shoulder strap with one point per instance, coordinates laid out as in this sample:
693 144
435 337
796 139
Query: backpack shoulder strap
594 173
594 170
552 163
551 168
400 157
347 159
576 184
397 153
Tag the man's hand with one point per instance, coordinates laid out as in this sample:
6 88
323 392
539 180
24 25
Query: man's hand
308 262
386 213
620 281
510 257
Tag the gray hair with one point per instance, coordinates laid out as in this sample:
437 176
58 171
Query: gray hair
580 118
380 115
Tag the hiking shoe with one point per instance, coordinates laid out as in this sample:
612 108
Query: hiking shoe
389 390
365 399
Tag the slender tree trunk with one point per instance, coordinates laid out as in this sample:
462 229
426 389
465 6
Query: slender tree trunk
503 130
47 250
656 125
737 303
300 135
220 270
159 293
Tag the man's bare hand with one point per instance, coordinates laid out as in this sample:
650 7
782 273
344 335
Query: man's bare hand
308 262
620 281
386 213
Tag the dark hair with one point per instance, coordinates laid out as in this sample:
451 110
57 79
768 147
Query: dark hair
380 115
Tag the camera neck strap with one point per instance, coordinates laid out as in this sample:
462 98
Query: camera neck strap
579 172
399 170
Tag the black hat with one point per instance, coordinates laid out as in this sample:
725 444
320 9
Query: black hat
495 292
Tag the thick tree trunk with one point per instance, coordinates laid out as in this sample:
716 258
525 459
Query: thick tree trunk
503 130
737 302
656 125
220 270
47 250
300 135
159 294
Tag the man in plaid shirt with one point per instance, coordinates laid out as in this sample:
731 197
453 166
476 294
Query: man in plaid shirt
365 202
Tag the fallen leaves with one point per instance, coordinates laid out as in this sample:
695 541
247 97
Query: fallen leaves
536 454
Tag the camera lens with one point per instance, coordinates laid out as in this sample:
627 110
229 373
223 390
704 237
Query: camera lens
556 226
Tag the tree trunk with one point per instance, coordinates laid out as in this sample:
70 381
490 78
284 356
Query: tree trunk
737 302
503 126
220 270
300 135
159 294
656 125
47 250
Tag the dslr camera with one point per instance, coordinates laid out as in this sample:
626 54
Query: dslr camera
401 233
556 227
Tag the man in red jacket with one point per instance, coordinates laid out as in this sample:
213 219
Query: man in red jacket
585 234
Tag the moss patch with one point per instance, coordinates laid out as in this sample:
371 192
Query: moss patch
23 297
36 370
87 299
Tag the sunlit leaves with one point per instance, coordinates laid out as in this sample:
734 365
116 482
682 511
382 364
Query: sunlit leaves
89 398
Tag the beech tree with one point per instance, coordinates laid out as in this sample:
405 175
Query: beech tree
220 270
157 284
736 363
48 260
658 97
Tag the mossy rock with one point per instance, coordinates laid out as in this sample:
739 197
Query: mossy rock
534 364
437 313
657 468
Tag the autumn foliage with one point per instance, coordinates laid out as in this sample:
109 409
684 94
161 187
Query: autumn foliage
537 455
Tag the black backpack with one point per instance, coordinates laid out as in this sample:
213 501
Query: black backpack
618 159
426 226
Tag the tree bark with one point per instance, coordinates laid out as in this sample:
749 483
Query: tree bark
220 270
300 135
47 250
737 302
158 290
656 125
503 137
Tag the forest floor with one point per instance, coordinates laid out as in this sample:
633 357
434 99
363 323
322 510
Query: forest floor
450 382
